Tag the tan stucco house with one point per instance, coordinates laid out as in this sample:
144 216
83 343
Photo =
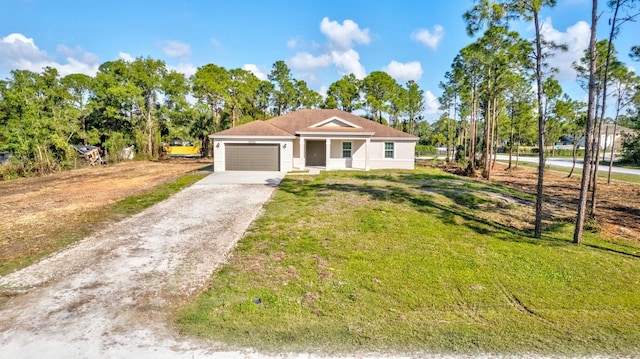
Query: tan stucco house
328 139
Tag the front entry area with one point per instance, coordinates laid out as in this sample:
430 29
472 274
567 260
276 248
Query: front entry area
315 153
252 157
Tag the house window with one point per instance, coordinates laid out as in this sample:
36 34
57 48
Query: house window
388 150
346 149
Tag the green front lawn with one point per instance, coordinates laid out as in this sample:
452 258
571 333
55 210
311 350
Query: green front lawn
418 262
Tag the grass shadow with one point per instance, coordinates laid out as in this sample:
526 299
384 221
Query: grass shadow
612 250
420 190
421 201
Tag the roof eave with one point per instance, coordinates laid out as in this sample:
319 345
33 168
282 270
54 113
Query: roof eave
234 137
412 138
335 133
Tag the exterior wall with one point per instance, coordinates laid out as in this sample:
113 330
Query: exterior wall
358 155
610 138
403 156
296 148
296 161
604 137
286 156
286 152
290 156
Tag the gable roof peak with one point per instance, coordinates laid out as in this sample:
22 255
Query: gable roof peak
335 119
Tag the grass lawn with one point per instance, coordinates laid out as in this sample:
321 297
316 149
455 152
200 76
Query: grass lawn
410 262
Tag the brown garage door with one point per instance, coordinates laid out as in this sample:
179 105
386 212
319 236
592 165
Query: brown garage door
252 157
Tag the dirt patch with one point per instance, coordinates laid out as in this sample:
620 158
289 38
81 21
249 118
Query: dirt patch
618 203
36 210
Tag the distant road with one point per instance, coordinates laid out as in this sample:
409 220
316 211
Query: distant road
568 162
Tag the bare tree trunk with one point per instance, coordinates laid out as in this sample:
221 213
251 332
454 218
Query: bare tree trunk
494 134
518 150
233 116
84 129
593 138
486 153
449 140
604 148
149 105
472 135
612 34
596 165
452 132
511 134
613 146
149 135
586 174
574 155
540 185
510 147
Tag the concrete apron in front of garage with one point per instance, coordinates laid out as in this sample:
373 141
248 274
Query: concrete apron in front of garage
270 178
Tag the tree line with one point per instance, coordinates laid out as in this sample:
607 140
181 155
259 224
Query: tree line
143 103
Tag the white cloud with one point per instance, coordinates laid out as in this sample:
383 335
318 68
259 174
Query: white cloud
306 61
404 71
18 52
323 91
84 56
313 81
185 68
576 38
17 47
428 38
292 43
341 37
175 48
431 104
348 62
338 50
255 70
125 56
74 66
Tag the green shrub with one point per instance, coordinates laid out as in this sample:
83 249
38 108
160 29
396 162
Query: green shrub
112 147
631 149
422 150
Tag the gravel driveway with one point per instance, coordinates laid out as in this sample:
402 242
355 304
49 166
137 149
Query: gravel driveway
111 294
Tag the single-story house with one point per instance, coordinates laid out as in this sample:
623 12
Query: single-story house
328 139
607 136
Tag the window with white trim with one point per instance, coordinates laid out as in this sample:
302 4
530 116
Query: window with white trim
346 149
388 149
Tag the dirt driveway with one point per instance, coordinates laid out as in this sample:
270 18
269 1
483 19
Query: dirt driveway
109 295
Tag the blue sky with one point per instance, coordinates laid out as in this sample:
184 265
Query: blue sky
319 40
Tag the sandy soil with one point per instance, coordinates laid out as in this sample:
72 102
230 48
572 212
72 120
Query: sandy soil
110 294
618 203
36 210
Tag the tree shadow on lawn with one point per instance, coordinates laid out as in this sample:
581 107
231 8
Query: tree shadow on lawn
464 192
419 190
